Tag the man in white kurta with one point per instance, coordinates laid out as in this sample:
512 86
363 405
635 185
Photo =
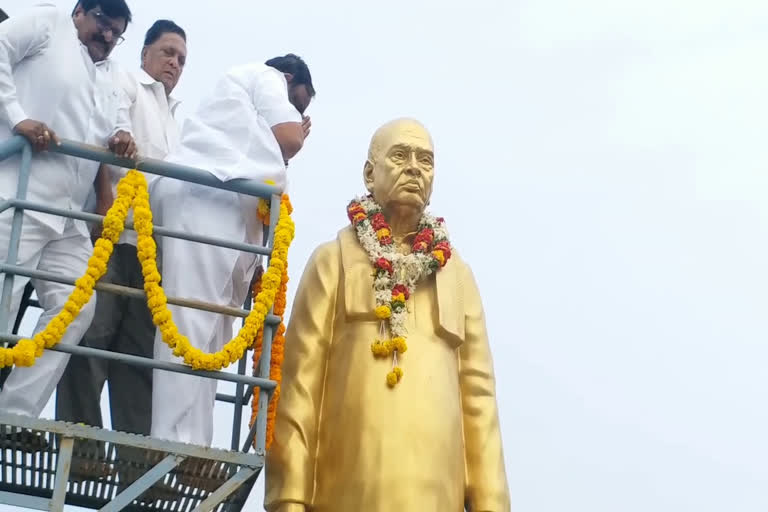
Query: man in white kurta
124 324
247 128
55 75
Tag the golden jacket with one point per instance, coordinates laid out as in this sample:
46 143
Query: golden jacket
346 442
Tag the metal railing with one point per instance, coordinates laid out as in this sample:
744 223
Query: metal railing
245 383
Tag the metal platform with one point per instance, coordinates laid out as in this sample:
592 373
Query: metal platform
45 464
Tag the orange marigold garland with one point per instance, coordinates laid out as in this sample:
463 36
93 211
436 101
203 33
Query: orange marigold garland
278 342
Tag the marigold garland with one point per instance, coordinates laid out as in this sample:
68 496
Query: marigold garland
396 274
132 192
278 342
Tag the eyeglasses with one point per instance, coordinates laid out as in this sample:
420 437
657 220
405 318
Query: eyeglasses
104 23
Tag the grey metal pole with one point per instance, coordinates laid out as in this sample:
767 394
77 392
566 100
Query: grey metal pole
163 168
15 238
135 293
11 146
266 346
157 230
239 397
145 362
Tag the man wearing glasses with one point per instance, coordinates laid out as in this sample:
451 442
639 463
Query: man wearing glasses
55 74
124 324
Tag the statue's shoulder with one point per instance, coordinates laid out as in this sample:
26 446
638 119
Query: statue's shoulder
330 253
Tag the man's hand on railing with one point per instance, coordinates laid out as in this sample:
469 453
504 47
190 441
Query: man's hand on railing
37 133
123 145
102 207
104 197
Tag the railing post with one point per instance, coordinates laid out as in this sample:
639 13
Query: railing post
15 238
266 346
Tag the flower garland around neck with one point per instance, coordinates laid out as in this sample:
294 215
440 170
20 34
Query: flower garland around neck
278 342
132 192
396 273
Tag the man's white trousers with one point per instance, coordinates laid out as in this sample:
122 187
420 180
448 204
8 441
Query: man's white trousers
182 405
27 390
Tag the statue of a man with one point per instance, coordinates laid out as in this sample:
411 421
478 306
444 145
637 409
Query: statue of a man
388 397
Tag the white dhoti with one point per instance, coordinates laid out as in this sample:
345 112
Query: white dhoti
182 405
27 390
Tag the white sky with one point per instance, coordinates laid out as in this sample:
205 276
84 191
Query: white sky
601 165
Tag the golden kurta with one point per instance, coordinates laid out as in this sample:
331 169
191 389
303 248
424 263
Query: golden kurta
344 441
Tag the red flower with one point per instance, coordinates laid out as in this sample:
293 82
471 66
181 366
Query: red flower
379 222
387 240
423 240
445 247
440 220
426 234
400 288
385 264
354 209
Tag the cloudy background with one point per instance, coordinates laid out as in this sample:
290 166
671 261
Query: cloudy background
602 167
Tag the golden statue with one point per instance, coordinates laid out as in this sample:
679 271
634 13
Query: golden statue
388 398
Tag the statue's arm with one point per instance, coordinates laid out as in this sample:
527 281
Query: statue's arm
291 458
487 489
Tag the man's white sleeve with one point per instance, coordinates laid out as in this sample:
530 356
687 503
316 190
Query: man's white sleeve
126 91
270 98
20 38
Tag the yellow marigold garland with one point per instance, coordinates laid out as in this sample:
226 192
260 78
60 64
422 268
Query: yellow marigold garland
278 342
26 351
132 191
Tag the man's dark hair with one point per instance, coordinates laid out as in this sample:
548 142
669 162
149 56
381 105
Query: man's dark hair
3 16
161 27
112 8
294 65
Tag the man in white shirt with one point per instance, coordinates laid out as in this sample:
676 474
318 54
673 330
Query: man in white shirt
123 324
55 74
249 127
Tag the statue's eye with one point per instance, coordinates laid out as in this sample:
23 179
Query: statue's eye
426 160
398 156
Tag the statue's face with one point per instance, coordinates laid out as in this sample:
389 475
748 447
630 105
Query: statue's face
402 165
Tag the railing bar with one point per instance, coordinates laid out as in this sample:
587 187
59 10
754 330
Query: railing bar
221 397
11 146
221 494
143 484
162 168
238 400
135 293
15 238
248 395
63 464
147 362
158 230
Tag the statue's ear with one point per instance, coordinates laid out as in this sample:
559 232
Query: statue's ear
368 175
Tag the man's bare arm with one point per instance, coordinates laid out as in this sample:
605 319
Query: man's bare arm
290 137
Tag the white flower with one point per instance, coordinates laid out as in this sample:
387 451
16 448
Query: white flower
409 269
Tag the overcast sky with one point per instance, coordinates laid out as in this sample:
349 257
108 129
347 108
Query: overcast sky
602 167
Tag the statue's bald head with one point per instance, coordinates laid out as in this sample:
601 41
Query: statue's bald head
400 165
393 129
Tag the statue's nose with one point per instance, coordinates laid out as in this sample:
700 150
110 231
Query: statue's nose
412 166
